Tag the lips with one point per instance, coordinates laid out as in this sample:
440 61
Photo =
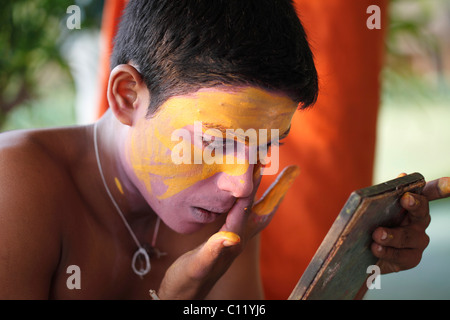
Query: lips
202 215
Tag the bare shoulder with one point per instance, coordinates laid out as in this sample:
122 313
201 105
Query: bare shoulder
32 179
29 163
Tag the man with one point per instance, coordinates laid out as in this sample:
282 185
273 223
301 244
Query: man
111 200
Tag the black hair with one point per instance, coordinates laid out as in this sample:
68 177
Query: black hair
180 46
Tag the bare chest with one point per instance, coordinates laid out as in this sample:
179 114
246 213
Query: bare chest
96 263
105 273
96 257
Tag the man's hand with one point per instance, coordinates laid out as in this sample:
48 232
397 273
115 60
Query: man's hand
401 248
194 274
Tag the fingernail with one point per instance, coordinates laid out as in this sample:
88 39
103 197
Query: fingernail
444 186
411 200
384 235
379 248
230 238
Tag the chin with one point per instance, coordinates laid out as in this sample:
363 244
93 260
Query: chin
178 219
188 228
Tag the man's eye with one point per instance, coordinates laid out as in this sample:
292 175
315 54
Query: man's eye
220 143
206 143
228 144
216 143
212 142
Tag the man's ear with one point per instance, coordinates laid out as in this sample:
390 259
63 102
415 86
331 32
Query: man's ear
126 92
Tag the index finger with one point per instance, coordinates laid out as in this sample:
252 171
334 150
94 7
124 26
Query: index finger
237 217
437 189
417 207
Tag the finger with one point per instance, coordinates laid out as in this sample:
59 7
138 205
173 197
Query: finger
276 192
437 189
257 172
401 238
394 259
209 254
417 207
257 177
238 215
224 238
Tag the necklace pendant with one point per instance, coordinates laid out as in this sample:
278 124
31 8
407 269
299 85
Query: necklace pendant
142 270
153 251
158 253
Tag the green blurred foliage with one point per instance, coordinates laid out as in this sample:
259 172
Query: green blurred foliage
409 22
411 38
31 34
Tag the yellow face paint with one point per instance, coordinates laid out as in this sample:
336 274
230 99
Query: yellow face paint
151 146
118 185
273 197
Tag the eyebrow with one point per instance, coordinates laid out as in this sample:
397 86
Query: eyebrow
219 127
223 130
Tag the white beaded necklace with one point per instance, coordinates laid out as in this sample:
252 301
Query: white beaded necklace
141 251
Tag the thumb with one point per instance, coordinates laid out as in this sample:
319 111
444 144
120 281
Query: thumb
437 189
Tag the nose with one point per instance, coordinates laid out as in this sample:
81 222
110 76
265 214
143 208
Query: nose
240 186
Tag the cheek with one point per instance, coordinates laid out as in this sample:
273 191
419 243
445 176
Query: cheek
179 177
150 160
150 157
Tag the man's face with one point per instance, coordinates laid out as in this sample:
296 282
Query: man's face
191 160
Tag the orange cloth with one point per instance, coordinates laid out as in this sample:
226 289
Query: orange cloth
333 143
112 12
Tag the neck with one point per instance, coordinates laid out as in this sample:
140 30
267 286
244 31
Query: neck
143 250
111 144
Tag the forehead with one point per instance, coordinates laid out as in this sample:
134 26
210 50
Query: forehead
230 107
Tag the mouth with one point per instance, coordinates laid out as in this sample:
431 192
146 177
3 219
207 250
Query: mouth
202 215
